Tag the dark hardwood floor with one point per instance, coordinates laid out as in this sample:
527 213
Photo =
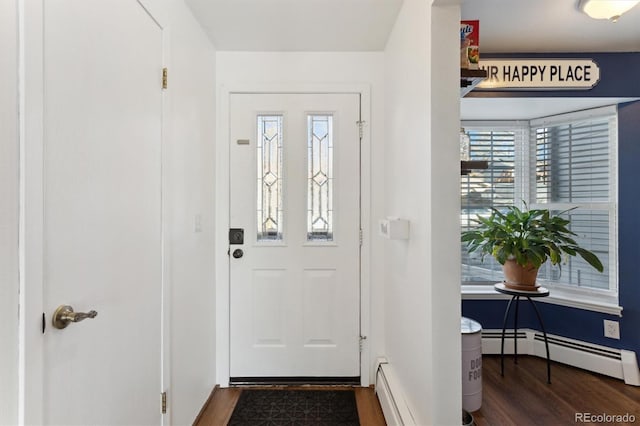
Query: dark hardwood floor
522 397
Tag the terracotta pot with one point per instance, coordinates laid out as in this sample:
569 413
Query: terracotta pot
519 277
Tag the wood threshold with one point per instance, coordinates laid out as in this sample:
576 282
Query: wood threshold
206 404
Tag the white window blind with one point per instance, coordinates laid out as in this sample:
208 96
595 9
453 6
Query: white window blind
557 163
482 189
574 170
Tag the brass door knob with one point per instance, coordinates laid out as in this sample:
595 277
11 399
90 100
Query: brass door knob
65 315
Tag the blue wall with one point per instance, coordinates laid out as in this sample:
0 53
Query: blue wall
620 77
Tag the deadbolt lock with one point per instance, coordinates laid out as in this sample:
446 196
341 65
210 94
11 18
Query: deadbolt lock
236 236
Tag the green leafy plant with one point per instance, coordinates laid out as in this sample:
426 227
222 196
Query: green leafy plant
529 237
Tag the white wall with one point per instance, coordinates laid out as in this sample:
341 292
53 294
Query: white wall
189 183
445 211
9 285
422 302
294 70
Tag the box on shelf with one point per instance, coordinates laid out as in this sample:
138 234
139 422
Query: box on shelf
469 44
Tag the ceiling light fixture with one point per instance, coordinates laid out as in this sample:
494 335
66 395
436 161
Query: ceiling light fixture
606 9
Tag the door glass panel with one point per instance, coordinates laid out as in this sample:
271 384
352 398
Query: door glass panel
320 178
269 206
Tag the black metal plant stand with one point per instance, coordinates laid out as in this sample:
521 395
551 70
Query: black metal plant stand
516 295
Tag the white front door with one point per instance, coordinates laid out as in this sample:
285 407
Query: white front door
102 212
294 277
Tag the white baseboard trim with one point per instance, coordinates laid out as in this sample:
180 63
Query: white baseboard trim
394 406
621 364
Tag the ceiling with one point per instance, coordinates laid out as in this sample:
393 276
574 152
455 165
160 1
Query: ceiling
364 25
297 25
549 26
528 108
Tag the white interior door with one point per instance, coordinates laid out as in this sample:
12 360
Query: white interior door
294 279
102 214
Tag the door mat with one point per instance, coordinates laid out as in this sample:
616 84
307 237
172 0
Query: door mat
276 407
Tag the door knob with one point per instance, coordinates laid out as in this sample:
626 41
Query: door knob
238 253
65 314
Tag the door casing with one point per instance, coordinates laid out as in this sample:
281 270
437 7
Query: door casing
222 198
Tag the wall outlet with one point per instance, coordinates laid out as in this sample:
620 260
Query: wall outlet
612 329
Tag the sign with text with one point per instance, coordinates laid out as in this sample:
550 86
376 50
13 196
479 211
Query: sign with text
539 74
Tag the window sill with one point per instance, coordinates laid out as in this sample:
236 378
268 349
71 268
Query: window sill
557 297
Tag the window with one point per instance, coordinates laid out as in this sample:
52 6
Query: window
574 169
557 163
320 178
485 188
270 195
269 208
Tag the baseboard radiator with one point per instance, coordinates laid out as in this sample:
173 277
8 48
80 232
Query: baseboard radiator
621 364
392 400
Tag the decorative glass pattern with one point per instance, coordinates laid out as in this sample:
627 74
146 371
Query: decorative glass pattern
269 208
320 178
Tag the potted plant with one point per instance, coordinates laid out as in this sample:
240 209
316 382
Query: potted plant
521 241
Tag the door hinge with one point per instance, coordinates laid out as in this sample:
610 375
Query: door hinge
164 403
361 237
44 322
362 339
360 124
165 73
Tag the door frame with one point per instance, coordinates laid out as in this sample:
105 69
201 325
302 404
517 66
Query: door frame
32 314
222 199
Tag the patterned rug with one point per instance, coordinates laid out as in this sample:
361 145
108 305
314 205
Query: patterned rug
274 407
